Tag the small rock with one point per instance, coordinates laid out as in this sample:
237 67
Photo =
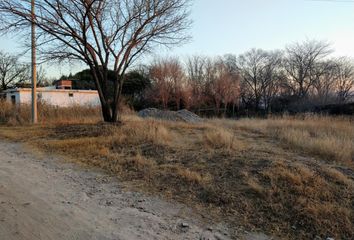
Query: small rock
185 225
142 209
115 220
329 238
210 229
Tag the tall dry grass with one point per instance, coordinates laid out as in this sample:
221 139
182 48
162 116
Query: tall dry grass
21 114
311 199
222 138
12 114
330 138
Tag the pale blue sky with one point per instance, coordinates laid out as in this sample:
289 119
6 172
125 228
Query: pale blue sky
235 26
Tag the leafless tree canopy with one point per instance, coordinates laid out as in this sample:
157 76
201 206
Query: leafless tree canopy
102 33
300 78
344 84
200 82
300 63
12 71
169 79
261 76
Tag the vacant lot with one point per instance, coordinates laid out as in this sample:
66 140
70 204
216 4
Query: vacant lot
291 177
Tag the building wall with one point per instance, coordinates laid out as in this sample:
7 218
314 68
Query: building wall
24 97
61 98
70 98
15 94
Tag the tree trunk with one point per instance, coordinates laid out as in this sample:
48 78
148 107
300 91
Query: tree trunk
106 113
101 85
178 104
116 113
225 110
117 96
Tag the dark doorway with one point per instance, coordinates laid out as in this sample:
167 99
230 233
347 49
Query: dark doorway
13 99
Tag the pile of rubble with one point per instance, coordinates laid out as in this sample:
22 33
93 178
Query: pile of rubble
182 115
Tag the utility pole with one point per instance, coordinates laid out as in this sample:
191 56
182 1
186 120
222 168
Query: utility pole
34 67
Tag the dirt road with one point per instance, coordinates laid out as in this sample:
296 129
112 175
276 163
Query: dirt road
45 198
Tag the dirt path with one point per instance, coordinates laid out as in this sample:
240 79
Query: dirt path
44 198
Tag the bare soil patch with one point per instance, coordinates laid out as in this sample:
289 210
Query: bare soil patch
44 198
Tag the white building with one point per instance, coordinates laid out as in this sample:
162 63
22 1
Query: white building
55 96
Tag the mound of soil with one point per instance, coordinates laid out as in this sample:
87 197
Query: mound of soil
182 115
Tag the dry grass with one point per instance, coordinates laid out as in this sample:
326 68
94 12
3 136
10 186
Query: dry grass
291 177
338 176
148 131
313 203
222 138
192 176
327 137
21 115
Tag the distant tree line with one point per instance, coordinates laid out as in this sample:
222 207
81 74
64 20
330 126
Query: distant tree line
299 78
302 77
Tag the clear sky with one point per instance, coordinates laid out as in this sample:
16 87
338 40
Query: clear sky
235 26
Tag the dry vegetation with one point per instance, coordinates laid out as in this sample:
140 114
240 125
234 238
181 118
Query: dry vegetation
20 115
330 138
292 177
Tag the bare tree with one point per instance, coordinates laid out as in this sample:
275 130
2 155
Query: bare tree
195 67
253 65
168 79
188 97
101 33
42 78
300 62
178 81
223 82
272 78
219 84
12 70
161 85
325 75
234 91
345 79
210 97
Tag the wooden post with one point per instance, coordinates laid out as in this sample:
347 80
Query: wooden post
34 67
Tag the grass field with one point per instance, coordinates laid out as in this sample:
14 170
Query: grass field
291 177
